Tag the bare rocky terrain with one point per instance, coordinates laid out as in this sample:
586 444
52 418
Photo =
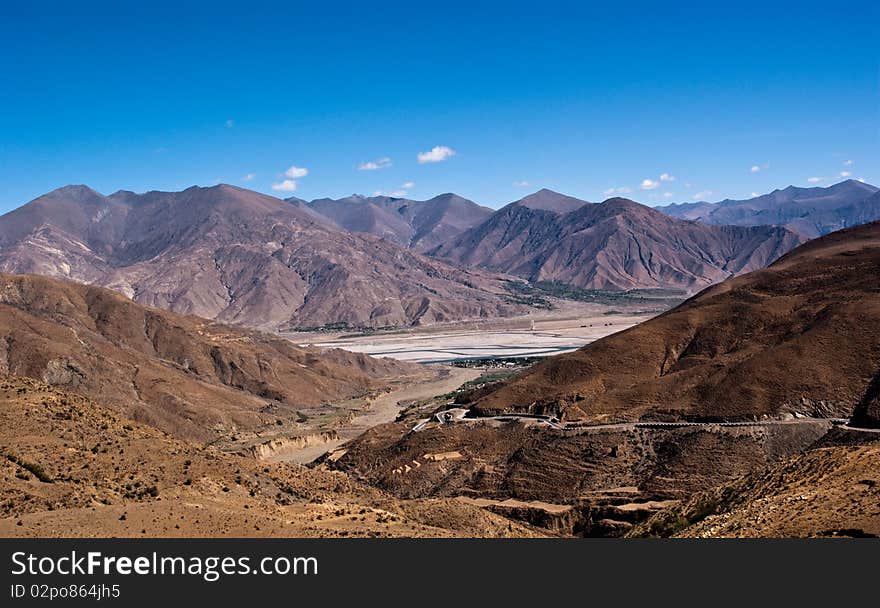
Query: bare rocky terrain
832 490
71 467
527 462
240 257
616 245
188 376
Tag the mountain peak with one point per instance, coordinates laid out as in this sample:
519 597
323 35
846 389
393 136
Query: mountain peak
549 200
853 184
619 201
76 191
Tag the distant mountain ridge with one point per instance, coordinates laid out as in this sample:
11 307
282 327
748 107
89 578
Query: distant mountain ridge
418 225
810 212
615 245
240 257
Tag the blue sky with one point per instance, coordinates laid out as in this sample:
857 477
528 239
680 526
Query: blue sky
504 98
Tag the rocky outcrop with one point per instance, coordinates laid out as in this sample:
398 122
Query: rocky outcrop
279 447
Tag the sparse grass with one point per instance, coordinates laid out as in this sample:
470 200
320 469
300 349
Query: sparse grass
672 522
35 469
539 292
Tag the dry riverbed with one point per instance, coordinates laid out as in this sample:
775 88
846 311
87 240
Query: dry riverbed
532 336
331 426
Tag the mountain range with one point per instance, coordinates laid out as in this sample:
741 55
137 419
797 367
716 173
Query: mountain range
419 225
240 257
810 212
615 245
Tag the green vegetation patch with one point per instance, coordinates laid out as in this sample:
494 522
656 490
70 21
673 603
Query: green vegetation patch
35 469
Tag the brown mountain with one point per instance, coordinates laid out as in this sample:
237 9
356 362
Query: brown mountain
185 375
810 212
419 225
798 338
239 257
615 245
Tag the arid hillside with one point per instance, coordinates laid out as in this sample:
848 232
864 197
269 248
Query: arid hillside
615 245
799 338
70 467
187 376
832 490
240 257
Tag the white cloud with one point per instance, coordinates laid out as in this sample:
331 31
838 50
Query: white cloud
229 123
618 190
296 172
702 194
665 177
847 163
815 180
288 185
249 177
861 179
649 184
667 195
521 184
755 169
401 191
436 154
845 173
375 165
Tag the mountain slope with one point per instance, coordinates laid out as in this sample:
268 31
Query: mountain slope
239 257
615 245
419 225
799 337
187 376
831 490
810 212
72 467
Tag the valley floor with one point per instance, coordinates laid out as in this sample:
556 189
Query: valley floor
530 336
380 410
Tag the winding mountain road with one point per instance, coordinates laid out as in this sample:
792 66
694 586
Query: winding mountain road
459 416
